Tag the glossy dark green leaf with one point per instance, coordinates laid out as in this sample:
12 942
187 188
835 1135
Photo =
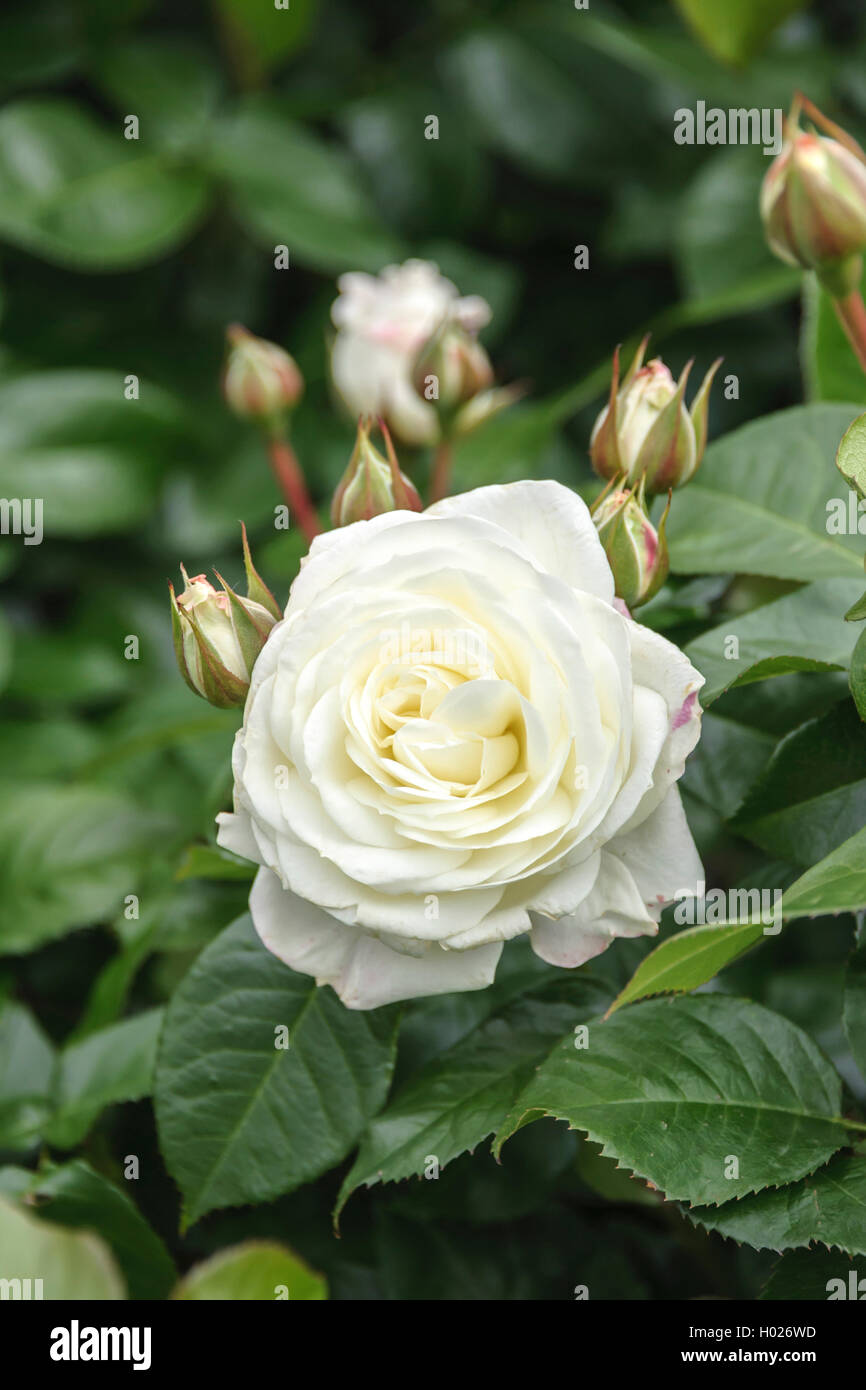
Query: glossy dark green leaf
676 1088
460 1098
815 1274
854 1005
825 1208
804 631
242 1118
834 884
812 794
769 500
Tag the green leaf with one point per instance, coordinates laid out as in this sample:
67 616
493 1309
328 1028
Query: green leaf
257 1269
804 631
734 30
826 1208
241 1118
672 1087
70 1264
172 87
721 254
70 855
44 749
857 673
74 1195
462 1096
522 103
857 612
764 499
93 457
262 36
851 457
64 668
807 1274
292 188
83 196
208 861
688 960
27 1063
830 368
854 1006
835 884
726 762
812 794
111 1065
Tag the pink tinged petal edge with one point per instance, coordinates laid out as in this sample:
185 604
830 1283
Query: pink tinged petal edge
685 711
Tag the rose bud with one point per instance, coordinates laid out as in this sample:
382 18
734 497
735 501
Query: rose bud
454 365
218 636
813 203
645 432
383 322
372 484
260 380
636 552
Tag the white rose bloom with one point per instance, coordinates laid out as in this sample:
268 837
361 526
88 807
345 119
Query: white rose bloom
383 321
456 736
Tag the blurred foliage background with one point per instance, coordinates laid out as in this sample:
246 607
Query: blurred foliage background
305 127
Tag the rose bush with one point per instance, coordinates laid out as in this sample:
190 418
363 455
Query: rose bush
507 765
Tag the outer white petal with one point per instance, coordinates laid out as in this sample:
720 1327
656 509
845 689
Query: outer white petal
613 908
660 854
550 522
235 834
661 666
363 971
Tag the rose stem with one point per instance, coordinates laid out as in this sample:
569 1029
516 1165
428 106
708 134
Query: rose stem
287 472
440 481
851 313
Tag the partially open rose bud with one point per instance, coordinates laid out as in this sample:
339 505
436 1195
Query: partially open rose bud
218 635
372 484
453 373
260 381
813 202
452 367
636 552
646 432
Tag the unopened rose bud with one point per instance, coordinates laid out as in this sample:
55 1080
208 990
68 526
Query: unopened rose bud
646 432
372 484
260 381
636 552
219 635
813 203
452 367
